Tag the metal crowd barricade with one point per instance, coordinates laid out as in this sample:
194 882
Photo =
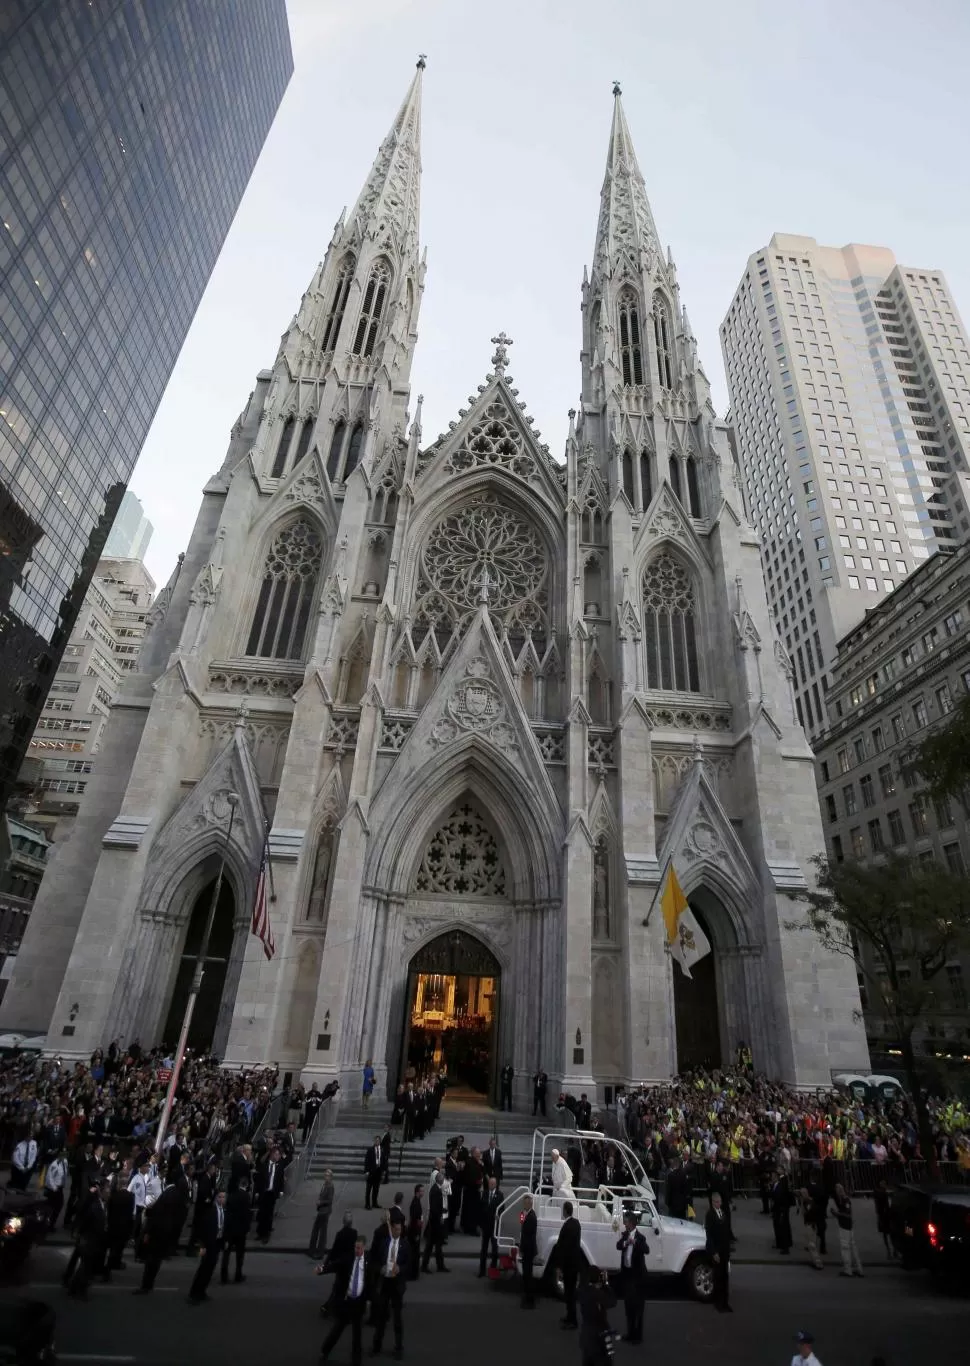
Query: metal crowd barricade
296 1172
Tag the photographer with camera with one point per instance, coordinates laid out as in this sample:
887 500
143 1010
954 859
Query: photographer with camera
596 1337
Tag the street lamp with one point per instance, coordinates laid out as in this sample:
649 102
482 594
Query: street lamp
232 800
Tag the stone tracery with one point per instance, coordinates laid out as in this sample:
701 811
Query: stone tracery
462 857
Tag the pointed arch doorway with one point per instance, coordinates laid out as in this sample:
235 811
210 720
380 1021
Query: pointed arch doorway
208 1006
697 1009
452 1013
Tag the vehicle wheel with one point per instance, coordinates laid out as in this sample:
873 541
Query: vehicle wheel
700 1279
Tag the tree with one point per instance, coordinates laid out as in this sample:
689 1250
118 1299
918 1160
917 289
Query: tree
943 759
901 921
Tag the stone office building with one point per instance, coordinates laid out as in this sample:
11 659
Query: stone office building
483 698
897 675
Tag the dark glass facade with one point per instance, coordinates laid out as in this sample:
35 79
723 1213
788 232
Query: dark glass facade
128 132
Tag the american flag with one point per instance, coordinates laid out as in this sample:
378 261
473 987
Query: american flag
262 929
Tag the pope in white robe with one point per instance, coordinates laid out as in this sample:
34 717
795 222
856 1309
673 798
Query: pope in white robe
562 1177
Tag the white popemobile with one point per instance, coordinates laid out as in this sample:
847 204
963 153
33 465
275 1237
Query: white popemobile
677 1246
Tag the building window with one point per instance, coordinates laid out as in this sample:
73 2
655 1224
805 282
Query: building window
855 836
944 814
339 304
876 841
286 594
372 310
283 449
897 832
952 624
958 990
336 451
663 332
646 483
353 451
843 758
917 816
919 713
693 491
631 349
626 461
899 730
669 613
887 780
954 859
878 740
943 699
831 810
848 796
304 442
859 745
866 788
837 853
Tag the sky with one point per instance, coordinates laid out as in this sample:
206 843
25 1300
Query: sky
846 122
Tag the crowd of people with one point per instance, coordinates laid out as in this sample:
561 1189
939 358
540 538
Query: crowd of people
87 1134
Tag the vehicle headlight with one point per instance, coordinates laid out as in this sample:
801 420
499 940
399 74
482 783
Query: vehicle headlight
12 1224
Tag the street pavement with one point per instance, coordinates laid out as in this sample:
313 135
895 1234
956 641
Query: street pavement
274 1317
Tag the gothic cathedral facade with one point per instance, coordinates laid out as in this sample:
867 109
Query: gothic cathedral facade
477 698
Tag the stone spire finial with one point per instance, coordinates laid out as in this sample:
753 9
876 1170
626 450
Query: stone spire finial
422 61
390 196
616 89
501 358
625 218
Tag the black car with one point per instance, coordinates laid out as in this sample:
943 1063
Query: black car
931 1229
24 1221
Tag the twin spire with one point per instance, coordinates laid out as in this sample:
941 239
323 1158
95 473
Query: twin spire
625 223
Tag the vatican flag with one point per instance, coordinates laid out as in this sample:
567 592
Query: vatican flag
686 940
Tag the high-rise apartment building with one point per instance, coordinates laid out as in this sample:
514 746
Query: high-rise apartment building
850 396
129 537
128 132
103 647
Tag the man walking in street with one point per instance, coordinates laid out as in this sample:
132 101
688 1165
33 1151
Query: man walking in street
851 1261
717 1230
239 1219
634 1250
434 1235
392 1270
270 1190
568 1256
351 1307
213 1239
321 1224
415 1228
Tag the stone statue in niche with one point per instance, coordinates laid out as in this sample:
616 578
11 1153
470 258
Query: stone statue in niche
316 911
601 890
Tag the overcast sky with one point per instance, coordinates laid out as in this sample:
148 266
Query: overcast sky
843 121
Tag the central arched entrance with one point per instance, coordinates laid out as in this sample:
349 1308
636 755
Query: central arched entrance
205 1017
452 1013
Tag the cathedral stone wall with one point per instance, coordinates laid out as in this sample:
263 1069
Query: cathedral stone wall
477 699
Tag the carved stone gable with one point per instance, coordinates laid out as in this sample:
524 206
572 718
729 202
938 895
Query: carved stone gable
476 704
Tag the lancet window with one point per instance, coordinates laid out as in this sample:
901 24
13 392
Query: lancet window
663 333
339 303
628 488
693 489
372 310
646 482
631 348
283 449
670 626
336 451
286 593
304 441
353 450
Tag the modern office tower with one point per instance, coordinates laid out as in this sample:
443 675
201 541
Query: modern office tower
103 647
129 537
128 132
850 393
895 677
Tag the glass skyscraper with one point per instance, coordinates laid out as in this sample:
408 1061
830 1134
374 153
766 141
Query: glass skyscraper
128 132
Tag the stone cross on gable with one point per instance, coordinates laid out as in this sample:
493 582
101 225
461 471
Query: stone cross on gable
501 358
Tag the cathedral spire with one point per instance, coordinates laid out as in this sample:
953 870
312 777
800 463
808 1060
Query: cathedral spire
625 223
390 199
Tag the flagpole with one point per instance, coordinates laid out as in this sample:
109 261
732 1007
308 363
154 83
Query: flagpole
197 975
659 890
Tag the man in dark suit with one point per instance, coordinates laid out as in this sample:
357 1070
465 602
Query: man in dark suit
471 1204
596 1299
240 1167
239 1218
454 1172
183 1185
391 1270
205 1194
584 1112
159 1222
353 1301
568 1255
213 1241
92 1223
634 1251
528 1250
491 1200
492 1160
415 1228
678 1191
120 1220
434 1235
507 1078
311 1105
717 1230
270 1190
338 1261
540 1084
372 1171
